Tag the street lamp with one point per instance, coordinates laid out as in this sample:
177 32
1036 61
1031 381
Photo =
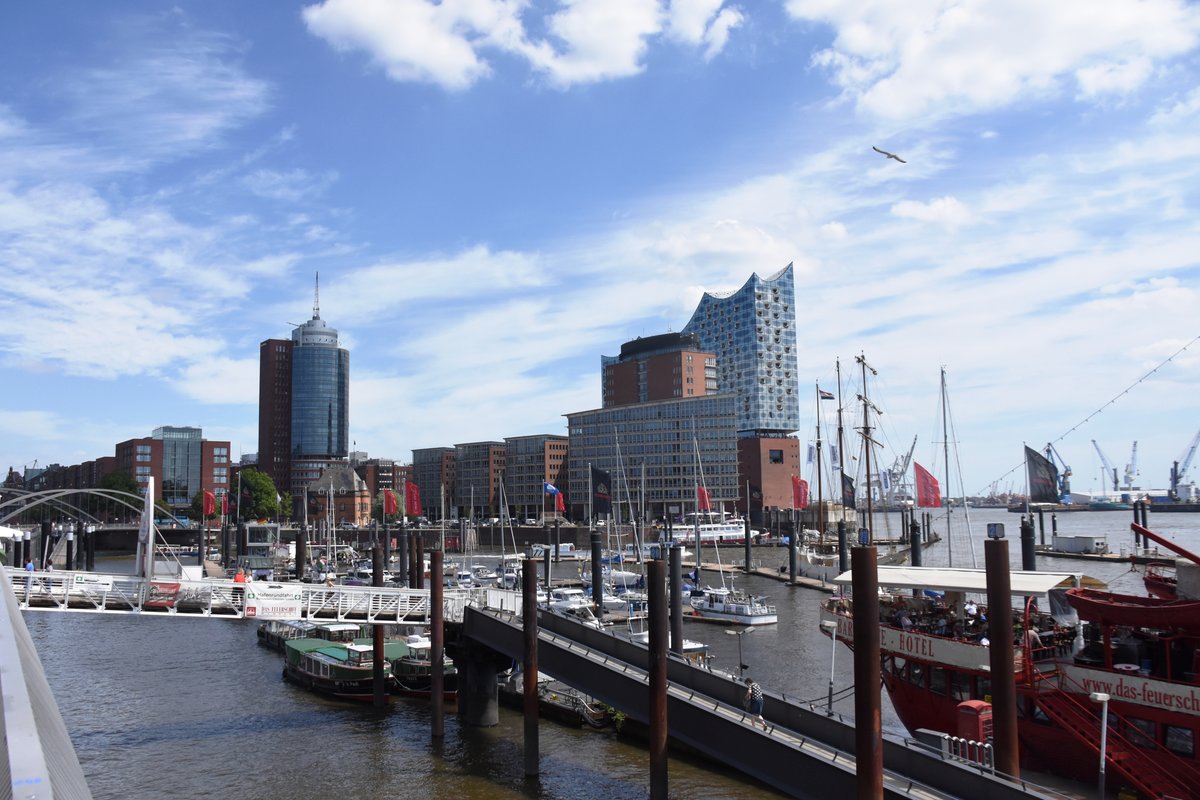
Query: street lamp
1102 699
830 627
741 667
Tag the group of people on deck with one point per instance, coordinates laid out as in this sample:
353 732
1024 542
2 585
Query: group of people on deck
938 619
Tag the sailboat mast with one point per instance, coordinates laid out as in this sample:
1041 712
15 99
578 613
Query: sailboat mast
866 432
946 456
820 516
841 444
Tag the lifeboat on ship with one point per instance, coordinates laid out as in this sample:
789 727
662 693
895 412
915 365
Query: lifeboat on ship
1110 608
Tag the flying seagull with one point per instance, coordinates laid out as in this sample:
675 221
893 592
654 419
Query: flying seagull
889 155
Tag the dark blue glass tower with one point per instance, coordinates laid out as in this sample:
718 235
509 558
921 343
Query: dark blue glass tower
320 392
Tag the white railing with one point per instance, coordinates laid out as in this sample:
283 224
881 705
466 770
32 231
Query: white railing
968 750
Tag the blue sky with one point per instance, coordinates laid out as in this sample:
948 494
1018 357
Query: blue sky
497 192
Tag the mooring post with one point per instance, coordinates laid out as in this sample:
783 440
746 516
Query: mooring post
1042 525
546 573
1028 549
597 576
437 645
843 548
529 666
914 541
557 543
301 552
868 731
91 550
402 552
379 682
746 524
419 561
656 591
72 536
675 563
1000 657
793 546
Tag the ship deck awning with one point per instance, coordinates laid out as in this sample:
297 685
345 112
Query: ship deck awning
946 579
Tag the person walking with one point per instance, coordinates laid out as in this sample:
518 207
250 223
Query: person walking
28 578
754 702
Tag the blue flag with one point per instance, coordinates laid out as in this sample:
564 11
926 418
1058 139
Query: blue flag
549 488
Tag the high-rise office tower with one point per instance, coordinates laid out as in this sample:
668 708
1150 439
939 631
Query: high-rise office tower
304 404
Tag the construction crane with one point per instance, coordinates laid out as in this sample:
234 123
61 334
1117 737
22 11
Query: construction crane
1179 468
1109 469
1064 473
1131 468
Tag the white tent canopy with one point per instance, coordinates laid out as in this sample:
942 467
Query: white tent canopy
11 533
946 579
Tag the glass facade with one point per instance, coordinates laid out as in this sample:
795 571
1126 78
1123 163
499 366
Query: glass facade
664 437
320 392
181 464
753 333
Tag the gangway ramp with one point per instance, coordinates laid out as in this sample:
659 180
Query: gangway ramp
703 713
92 592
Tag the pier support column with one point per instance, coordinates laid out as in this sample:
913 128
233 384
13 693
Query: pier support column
1042 525
675 562
529 665
437 645
378 657
843 550
746 522
1000 656
792 545
72 536
598 576
91 550
403 551
656 591
478 691
1028 549
868 731
915 547
301 552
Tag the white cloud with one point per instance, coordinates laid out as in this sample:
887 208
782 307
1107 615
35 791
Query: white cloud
702 22
1181 109
834 230
945 210
931 57
292 185
584 41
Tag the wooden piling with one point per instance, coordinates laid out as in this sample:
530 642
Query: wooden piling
656 591
868 730
529 667
437 645
1000 657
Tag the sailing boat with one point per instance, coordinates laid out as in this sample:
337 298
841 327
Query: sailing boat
726 604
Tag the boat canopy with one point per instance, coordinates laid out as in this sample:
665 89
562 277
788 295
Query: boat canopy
966 580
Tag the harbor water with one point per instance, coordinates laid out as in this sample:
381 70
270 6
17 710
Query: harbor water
194 708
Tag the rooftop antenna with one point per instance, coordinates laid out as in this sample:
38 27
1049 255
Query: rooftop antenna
317 297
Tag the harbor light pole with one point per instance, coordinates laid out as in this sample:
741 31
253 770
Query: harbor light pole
1102 699
738 634
831 628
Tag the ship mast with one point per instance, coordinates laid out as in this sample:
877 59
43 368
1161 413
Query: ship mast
946 455
867 442
841 459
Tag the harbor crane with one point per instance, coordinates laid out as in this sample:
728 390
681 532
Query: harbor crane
1064 473
1131 470
1109 469
1179 468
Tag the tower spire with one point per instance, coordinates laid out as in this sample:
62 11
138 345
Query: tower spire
317 297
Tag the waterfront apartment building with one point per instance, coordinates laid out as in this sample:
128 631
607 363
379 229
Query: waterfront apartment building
532 462
676 444
752 331
304 406
658 367
435 469
480 470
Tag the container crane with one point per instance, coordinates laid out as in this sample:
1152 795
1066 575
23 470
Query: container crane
1179 468
1131 471
1064 473
1109 469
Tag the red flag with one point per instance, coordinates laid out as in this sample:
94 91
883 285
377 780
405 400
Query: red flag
558 503
703 502
210 504
929 494
412 500
799 492
389 502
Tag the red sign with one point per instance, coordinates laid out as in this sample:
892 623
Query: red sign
162 595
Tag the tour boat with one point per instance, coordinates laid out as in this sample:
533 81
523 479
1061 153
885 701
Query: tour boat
343 670
732 606
1139 658
713 528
